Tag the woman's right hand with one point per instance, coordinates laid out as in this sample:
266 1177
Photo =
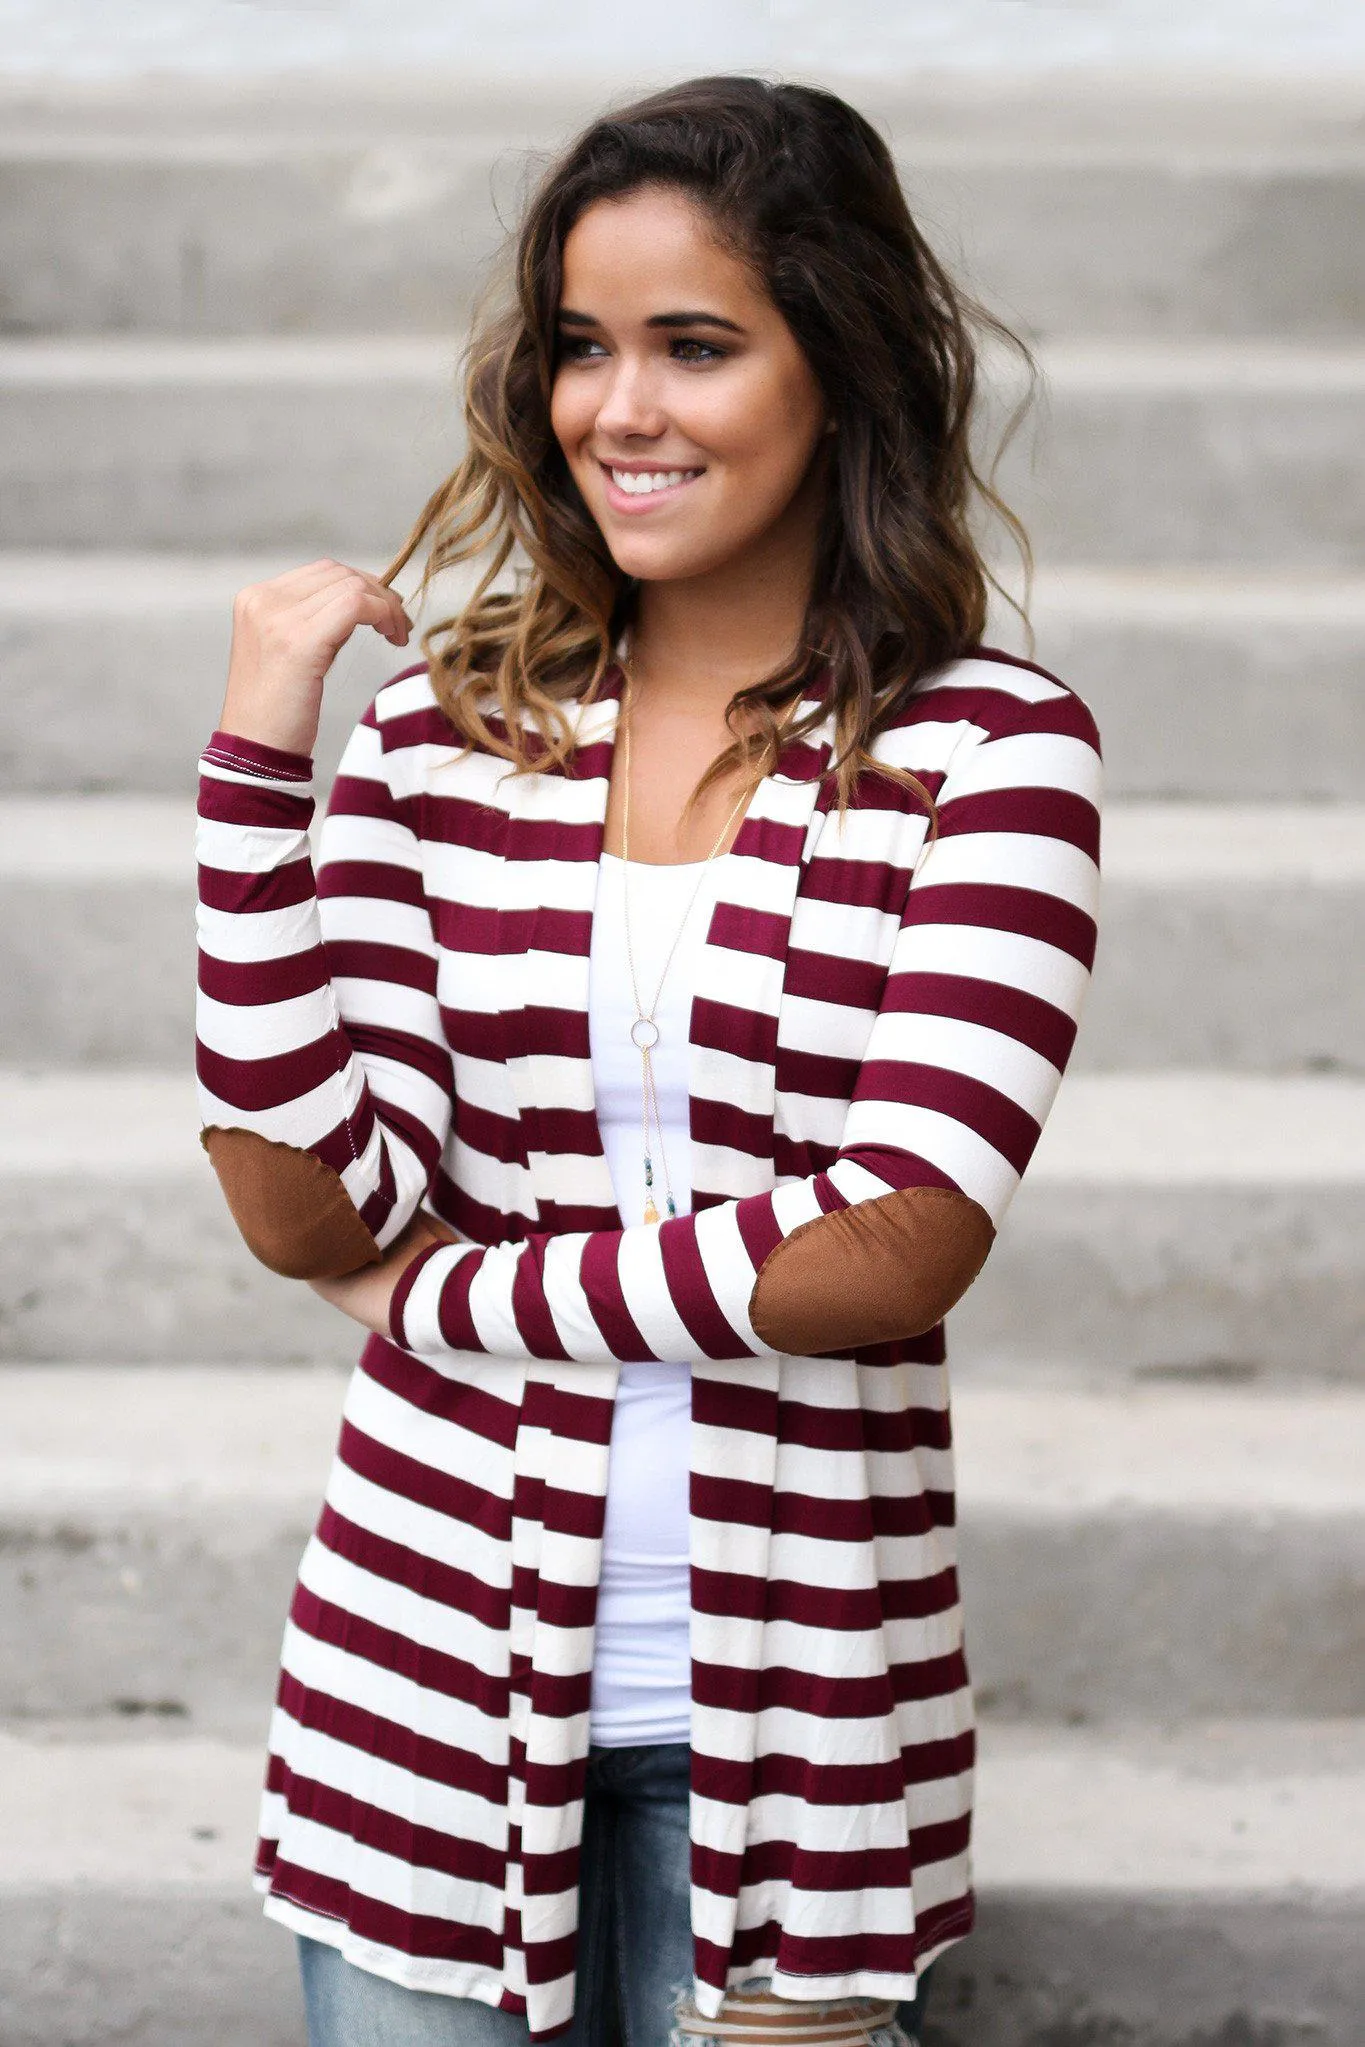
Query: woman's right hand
286 633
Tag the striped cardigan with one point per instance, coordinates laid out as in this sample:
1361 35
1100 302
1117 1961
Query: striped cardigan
872 1014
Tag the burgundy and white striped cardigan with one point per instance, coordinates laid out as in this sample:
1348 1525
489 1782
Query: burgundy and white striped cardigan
877 1034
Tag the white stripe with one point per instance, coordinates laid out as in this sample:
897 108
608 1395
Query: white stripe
973 1164
1031 965
1025 860
265 1030
244 849
248 936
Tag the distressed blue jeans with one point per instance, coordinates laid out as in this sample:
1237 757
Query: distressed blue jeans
634 1934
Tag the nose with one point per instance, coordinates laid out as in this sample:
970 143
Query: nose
630 404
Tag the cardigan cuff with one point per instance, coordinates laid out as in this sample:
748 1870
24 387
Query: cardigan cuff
228 753
242 782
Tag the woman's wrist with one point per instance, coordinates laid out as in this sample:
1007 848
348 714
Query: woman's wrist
272 725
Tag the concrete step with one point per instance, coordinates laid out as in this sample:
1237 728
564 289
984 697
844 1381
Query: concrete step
1152 1889
1203 1225
1193 451
344 237
1205 684
1159 1552
1176 214
1222 932
1209 684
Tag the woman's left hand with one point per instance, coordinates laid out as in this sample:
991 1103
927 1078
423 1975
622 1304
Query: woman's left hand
365 1295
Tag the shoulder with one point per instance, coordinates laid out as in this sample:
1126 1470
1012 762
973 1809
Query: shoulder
989 694
403 734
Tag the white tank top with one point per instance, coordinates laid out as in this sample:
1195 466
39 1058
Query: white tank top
642 1669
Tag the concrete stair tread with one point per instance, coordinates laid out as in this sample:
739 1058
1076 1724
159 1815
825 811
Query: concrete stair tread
1223 1808
104 579
1151 451
113 837
1122 1549
1156 1129
1145 365
1258 670
174 1438
1124 114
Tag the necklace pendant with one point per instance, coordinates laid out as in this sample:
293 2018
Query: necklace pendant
671 1205
651 1212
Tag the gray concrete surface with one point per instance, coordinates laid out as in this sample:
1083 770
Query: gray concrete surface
1154 1892
1141 452
1170 1222
1160 1551
1158 1377
390 231
1223 930
1207 685
73 40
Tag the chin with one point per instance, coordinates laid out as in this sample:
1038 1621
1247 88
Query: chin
661 562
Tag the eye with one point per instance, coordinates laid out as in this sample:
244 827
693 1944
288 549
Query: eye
709 352
574 347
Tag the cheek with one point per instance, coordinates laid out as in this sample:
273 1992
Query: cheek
768 433
570 413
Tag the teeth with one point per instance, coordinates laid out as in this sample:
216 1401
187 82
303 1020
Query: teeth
640 483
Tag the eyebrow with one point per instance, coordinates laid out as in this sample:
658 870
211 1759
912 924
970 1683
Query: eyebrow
568 318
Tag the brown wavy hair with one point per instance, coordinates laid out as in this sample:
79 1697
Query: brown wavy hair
803 188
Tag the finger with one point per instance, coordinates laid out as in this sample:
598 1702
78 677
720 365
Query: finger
297 584
341 610
313 576
391 605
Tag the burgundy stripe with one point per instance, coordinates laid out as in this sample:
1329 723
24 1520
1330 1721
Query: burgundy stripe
379 1041
758 1227
1034 813
386 881
257 1084
354 959
601 1279
1047 1030
388 1741
530 1308
277 809
280 888
452 1312
824 977
410 1933
448 1676
422 1847
961 1096
690 1291
254 984
1026 913
458 1499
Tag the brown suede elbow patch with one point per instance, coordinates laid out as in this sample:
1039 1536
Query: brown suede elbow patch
871 1273
292 1210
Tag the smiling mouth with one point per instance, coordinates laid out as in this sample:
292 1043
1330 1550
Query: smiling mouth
644 483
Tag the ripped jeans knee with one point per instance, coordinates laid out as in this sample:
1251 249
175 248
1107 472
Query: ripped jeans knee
752 2017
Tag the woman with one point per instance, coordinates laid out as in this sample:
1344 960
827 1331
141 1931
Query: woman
651 1102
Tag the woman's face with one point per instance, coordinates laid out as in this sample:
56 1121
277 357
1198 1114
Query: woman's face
686 411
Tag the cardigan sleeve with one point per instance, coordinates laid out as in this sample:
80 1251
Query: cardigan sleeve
977 1019
324 1077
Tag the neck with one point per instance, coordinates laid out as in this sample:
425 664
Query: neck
698 639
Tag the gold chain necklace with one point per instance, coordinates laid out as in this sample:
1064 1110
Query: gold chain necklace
644 1032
